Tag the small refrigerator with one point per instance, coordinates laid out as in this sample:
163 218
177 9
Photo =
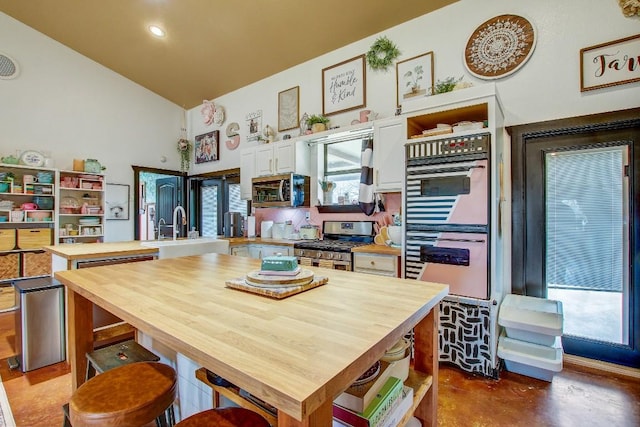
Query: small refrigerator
39 320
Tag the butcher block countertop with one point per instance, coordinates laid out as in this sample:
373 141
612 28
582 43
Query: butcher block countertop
296 353
74 251
377 249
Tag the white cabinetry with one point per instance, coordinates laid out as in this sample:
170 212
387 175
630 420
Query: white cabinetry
282 157
260 251
379 264
389 136
81 207
247 171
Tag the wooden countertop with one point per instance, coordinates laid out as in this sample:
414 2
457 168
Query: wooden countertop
378 249
73 251
297 353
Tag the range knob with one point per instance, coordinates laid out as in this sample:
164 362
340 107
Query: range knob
319 254
330 255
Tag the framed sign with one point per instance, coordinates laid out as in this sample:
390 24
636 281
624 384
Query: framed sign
254 124
117 201
344 86
414 78
207 147
610 64
288 112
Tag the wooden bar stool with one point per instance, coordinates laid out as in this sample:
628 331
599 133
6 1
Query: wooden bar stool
224 417
131 395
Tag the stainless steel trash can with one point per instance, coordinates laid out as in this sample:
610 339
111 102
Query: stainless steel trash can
39 318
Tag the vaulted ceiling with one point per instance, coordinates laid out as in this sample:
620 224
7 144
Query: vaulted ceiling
211 47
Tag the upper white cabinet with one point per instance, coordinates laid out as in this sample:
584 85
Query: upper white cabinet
282 157
291 156
389 136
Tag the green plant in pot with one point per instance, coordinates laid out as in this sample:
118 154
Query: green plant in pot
317 122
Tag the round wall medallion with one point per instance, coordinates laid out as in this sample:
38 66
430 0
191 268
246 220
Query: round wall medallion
499 47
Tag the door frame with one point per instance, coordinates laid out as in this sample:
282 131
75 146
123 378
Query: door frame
521 261
136 193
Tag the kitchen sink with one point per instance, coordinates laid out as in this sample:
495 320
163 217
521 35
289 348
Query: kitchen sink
187 247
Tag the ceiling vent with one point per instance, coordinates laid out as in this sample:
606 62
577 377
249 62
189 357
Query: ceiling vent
8 67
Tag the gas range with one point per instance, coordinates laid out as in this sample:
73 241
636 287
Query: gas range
339 237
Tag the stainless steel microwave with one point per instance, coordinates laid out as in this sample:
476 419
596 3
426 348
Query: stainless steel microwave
280 191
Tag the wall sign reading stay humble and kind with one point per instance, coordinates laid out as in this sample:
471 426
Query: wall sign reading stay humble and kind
610 64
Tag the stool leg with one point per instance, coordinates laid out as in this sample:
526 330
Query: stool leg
91 370
65 411
167 419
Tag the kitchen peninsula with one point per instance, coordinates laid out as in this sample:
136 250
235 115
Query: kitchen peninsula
297 353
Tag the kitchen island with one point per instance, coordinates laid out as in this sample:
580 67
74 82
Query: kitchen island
297 353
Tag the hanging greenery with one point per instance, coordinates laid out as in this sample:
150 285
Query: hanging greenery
382 54
185 147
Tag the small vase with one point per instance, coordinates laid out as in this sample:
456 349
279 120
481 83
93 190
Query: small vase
327 198
318 127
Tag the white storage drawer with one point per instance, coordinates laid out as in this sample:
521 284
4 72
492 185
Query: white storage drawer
531 319
384 265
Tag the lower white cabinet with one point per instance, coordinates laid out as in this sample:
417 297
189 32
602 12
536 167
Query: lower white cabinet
260 251
380 264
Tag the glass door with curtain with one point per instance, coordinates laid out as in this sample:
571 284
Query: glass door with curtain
581 223
214 198
587 244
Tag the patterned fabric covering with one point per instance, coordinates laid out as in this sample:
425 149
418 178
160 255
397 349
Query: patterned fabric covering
366 196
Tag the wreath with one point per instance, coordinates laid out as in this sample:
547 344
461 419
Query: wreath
382 53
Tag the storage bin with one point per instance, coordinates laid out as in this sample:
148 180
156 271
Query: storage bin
531 319
43 202
9 266
36 264
33 238
7 240
533 360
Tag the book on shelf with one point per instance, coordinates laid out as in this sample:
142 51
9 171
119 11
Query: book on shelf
395 415
374 415
358 397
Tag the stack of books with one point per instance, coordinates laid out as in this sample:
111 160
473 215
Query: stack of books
381 402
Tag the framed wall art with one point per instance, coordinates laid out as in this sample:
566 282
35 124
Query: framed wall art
117 201
254 125
288 109
207 147
499 47
344 86
610 64
414 78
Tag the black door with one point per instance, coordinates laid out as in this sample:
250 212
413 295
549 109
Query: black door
168 196
576 210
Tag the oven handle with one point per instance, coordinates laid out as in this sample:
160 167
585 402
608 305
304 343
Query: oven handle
445 239
456 169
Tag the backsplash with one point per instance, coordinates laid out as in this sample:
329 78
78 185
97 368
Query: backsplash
392 203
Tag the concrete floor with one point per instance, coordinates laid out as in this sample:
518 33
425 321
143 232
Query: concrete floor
591 314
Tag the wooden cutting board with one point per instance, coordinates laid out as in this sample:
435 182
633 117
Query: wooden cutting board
255 278
274 291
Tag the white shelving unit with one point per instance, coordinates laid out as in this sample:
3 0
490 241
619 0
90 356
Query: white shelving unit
81 207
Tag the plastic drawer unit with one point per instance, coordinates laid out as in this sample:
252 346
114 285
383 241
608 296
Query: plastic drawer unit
533 360
531 319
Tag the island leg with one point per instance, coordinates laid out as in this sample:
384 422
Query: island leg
321 417
80 335
426 361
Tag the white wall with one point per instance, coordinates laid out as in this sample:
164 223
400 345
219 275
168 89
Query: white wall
547 87
71 107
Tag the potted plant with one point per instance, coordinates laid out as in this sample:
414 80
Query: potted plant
185 147
317 122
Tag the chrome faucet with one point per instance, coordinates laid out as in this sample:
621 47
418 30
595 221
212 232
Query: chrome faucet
161 222
176 229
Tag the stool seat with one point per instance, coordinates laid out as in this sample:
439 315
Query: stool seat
224 417
116 355
130 395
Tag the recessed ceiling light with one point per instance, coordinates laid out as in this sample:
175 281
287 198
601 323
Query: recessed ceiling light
156 31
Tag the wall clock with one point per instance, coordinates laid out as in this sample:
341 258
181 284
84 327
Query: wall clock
32 158
500 46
